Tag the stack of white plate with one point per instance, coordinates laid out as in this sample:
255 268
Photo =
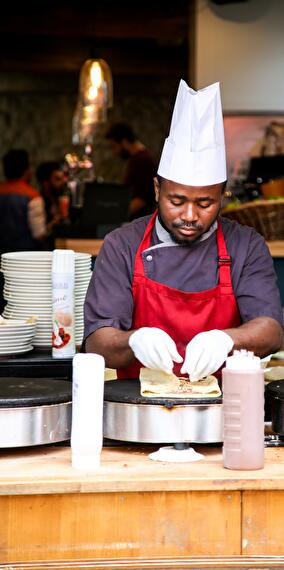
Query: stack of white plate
28 290
16 336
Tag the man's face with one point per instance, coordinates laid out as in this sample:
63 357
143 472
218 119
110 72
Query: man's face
118 148
187 212
57 180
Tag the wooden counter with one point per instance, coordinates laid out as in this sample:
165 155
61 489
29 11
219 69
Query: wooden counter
91 246
136 513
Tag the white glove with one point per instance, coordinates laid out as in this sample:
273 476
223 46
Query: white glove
154 348
205 353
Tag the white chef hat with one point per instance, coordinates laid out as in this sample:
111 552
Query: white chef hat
194 153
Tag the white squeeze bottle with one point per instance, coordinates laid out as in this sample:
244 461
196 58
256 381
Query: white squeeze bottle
63 313
243 407
87 411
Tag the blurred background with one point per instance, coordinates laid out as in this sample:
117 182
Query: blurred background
43 48
148 47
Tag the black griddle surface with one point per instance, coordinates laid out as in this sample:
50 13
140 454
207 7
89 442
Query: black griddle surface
276 388
128 392
38 363
25 392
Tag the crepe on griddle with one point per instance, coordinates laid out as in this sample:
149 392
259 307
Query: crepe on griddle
274 373
156 383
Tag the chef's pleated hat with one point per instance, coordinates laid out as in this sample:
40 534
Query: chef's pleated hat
194 153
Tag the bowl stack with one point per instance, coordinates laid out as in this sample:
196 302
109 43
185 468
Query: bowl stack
28 290
16 337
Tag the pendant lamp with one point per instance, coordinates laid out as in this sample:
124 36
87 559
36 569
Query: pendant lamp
95 98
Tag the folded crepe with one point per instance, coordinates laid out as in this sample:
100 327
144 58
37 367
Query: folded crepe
110 374
155 383
275 373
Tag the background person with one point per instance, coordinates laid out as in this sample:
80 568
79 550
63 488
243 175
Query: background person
184 287
22 215
140 170
52 180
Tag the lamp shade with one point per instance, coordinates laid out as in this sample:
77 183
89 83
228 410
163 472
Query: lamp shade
95 97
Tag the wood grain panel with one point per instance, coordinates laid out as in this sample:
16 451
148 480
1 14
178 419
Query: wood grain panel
262 522
119 525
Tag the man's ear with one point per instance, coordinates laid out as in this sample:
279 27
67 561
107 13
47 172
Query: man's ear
157 189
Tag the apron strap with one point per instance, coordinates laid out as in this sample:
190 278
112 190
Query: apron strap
144 244
224 261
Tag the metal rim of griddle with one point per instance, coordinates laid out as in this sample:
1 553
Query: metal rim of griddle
130 417
34 418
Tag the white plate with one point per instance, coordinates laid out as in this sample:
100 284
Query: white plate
24 276
21 261
40 313
19 299
39 256
16 341
36 294
30 254
79 270
21 255
13 350
17 322
29 305
17 334
83 281
41 320
31 286
16 265
14 276
45 332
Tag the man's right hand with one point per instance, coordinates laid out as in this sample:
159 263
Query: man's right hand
154 348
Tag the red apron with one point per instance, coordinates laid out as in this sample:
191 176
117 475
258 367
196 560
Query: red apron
182 315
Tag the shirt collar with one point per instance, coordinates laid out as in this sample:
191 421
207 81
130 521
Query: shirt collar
164 236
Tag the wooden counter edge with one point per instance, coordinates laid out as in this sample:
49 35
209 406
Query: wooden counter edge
161 563
71 487
91 246
276 248
129 472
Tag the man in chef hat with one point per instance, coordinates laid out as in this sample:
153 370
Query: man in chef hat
180 289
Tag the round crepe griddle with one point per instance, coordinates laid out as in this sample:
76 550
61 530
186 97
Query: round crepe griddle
25 392
276 388
128 392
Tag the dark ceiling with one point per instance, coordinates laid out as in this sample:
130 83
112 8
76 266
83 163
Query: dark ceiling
150 39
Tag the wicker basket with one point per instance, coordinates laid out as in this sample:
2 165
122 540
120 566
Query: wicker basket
266 216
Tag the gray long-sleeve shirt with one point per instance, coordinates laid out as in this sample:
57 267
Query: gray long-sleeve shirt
190 268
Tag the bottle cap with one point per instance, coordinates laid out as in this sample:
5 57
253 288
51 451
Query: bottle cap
63 261
243 360
86 462
89 364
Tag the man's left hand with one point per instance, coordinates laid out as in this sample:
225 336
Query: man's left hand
205 353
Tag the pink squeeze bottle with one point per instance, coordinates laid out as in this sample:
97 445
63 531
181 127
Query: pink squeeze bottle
243 408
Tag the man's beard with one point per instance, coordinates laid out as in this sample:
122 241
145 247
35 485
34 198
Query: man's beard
193 225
